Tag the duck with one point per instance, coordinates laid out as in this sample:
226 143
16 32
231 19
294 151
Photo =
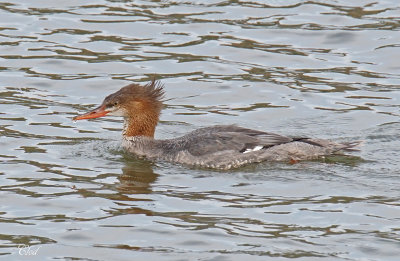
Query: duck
221 147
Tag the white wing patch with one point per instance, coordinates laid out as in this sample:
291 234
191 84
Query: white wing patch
256 148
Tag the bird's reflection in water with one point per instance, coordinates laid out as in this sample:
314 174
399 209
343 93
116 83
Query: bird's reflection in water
137 177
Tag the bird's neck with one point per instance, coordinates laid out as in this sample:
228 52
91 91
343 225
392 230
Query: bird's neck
140 125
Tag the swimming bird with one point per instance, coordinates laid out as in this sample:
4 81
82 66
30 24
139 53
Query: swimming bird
219 147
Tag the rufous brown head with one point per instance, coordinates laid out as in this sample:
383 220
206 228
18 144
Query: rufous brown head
132 100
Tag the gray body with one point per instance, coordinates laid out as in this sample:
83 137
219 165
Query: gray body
229 146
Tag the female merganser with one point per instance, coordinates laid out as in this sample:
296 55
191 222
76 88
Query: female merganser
220 147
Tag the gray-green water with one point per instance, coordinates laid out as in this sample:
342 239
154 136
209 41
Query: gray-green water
326 69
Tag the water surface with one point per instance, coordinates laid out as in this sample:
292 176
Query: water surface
325 69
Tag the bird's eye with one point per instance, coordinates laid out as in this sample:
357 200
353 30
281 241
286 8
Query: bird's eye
112 104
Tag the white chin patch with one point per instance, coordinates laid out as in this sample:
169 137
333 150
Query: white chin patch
117 112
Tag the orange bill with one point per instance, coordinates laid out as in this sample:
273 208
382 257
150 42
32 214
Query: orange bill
96 113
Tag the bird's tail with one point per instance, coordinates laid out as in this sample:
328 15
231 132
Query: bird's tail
352 145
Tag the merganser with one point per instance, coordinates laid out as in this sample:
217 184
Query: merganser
220 147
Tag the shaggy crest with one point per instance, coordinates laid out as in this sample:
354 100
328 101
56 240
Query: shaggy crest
152 92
